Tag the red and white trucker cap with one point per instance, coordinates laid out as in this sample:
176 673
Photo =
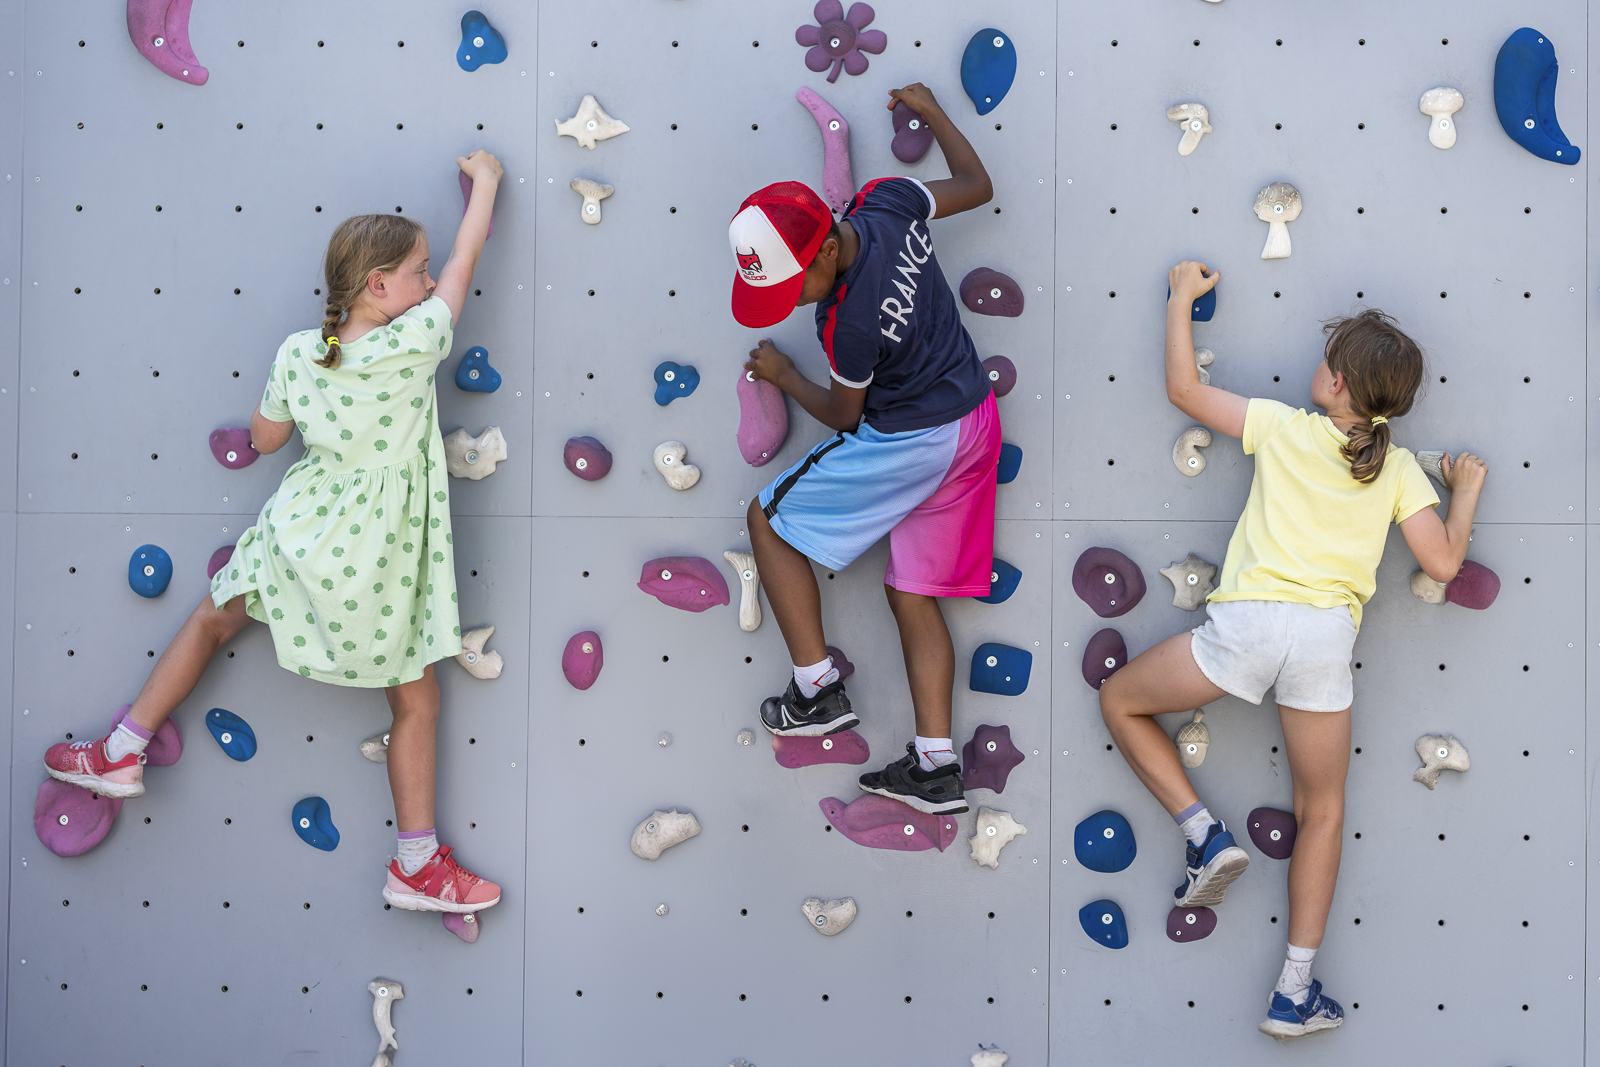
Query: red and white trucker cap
775 236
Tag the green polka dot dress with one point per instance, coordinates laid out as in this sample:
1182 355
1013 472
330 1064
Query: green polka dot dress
350 563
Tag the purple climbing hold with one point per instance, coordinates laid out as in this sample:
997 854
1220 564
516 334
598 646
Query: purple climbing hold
1273 831
686 582
988 759
847 746
1190 924
988 292
912 134
1108 582
232 447
841 663
839 39
1474 586
1002 374
467 927
69 819
165 747
219 559
837 184
466 199
878 822
763 419
587 458
1104 655
159 29
582 659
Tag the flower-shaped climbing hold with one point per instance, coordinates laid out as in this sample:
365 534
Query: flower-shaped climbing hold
839 39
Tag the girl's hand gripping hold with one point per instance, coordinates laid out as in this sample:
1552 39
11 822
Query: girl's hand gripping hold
456 277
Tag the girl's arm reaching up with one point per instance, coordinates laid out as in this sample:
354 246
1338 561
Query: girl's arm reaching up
456 277
1206 404
1441 546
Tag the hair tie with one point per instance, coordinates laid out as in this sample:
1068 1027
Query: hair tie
1379 420
331 341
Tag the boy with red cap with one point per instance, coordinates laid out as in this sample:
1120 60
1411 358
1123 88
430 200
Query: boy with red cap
917 443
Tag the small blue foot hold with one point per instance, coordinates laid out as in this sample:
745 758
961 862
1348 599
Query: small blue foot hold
232 733
149 570
1000 669
1103 921
1010 464
474 375
1003 579
988 67
1525 96
314 823
480 42
674 382
1205 305
1104 842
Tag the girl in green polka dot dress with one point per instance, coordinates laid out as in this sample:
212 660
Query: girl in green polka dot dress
350 562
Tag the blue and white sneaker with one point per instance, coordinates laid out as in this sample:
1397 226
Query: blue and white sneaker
1287 1020
1211 869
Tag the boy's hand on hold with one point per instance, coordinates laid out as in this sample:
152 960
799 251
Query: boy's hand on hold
767 363
918 98
480 166
1465 473
1190 280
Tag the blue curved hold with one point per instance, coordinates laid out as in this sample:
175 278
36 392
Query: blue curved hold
232 733
149 570
1003 579
1104 842
988 67
1006 676
1010 464
674 381
474 375
1205 305
480 42
1104 922
314 823
1525 96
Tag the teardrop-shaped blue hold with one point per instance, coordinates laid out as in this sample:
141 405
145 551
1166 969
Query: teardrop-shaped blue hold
1104 922
674 381
474 375
1000 669
314 823
233 734
1003 579
988 67
1010 463
1205 305
1104 842
1525 96
480 42
149 570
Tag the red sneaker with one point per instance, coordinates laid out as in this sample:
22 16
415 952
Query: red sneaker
441 884
84 763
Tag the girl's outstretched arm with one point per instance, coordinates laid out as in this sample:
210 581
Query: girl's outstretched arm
1441 546
1206 404
456 277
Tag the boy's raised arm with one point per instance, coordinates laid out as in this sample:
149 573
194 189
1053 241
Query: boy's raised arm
968 185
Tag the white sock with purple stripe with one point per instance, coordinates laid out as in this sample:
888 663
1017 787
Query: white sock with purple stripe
1194 821
416 848
127 738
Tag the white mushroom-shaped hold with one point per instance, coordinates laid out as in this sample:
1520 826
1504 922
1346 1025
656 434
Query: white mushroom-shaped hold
471 457
1426 589
1196 122
1193 740
1439 104
1185 451
749 589
669 458
480 664
1203 358
1277 205
592 193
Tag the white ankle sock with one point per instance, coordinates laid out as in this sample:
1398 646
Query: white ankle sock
128 737
1295 981
810 679
934 752
1194 821
416 848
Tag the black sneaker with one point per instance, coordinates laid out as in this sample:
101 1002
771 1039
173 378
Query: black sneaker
937 792
792 715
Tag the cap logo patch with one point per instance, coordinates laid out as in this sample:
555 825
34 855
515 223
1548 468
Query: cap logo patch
750 265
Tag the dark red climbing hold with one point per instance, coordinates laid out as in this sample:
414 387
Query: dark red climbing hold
988 292
1105 655
1108 582
1002 374
988 759
1190 924
1474 586
1272 831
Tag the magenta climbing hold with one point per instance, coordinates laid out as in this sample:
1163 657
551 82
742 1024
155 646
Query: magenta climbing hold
1108 582
587 458
878 822
1002 374
847 746
986 291
164 749
1474 586
159 29
837 185
69 819
219 559
989 758
1273 831
1190 924
582 659
466 199
1104 655
912 134
763 419
232 447
467 927
685 582
839 39
841 663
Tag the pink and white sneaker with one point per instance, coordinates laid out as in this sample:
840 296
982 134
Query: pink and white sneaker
441 884
84 763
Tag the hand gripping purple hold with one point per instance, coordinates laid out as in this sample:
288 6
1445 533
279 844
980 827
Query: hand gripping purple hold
69 819
839 40
847 746
1272 831
466 200
685 582
763 419
1190 924
1104 655
988 292
988 759
912 134
587 458
219 559
837 184
1002 374
232 447
165 748
1108 582
582 659
159 29
878 822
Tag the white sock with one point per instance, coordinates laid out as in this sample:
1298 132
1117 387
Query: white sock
1194 821
934 752
416 848
1295 981
123 741
811 679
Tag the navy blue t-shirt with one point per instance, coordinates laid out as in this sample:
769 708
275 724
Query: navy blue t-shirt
892 325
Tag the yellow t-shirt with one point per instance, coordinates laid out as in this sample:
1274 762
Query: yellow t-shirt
1310 533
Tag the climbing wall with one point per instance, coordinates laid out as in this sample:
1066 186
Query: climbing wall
159 239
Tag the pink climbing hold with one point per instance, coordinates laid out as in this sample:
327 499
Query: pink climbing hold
467 927
847 746
587 458
841 662
878 822
912 134
838 40
989 758
466 199
232 447
1002 374
582 659
69 819
988 292
1104 655
685 582
219 559
165 748
159 29
837 184
1474 586
763 419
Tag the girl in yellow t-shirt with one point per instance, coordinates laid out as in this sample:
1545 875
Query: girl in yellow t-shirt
1301 563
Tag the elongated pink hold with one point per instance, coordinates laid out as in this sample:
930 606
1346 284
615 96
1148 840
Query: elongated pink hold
988 292
466 199
467 927
837 184
763 419
582 659
159 29
847 746
219 559
685 582
165 747
69 819
232 448
878 822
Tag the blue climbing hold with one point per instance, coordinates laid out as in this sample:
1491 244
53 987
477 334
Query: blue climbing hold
149 570
1104 842
1104 922
314 823
1000 669
1205 305
232 733
1525 96
474 375
1003 579
674 382
480 42
988 67
1010 464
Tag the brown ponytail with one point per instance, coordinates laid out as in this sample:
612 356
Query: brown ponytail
1382 370
360 245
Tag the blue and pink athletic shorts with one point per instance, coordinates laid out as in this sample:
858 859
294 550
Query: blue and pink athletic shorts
932 491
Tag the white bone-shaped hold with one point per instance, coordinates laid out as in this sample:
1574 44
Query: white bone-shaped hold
990 1055
591 124
1426 589
1432 464
592 193
1440 104
992 832
384 994
660 831
471 457
1193 740
1203 358
376 747
828 917
1439 753
1191 581
1277 205
1196 123
744 563
1186 451
669 459
480 664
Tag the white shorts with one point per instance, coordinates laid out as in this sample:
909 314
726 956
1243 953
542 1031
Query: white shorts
1249 646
